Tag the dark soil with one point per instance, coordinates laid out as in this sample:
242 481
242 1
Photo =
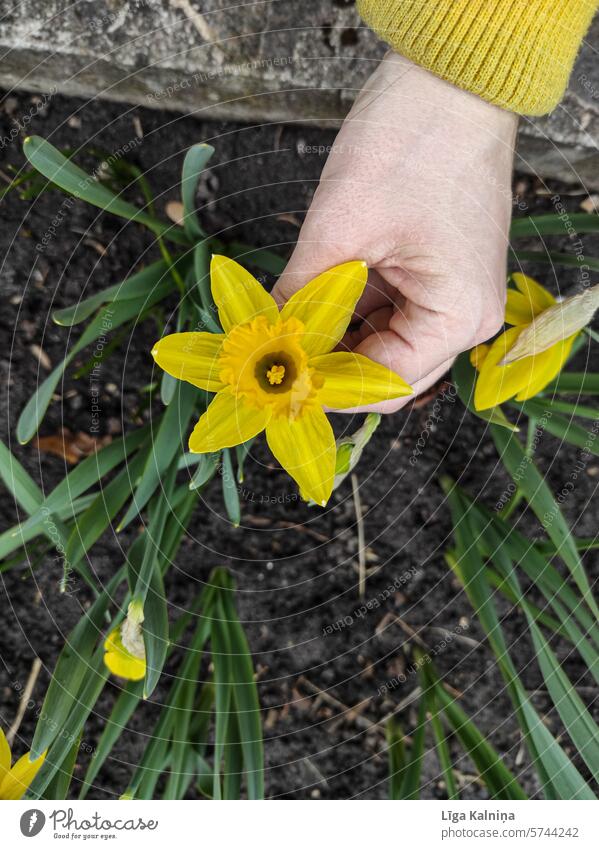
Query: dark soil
321 660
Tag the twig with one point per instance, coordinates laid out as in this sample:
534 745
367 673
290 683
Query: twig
35 671
361 540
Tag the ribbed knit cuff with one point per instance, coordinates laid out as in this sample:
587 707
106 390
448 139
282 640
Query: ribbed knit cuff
517 54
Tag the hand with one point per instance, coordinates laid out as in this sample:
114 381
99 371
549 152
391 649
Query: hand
417 184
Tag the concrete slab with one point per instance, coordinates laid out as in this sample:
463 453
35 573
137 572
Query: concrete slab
266 61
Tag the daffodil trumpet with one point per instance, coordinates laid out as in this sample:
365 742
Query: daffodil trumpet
15 780
275 371
527 356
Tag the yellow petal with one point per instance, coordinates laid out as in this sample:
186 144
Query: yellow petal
228 421
351 380
17 781
536 295
305 447
548 365
120 661
495 383
4 755
478 354
518 309
326 304
238 295
193 357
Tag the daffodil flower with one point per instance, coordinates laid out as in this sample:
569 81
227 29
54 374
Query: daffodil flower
528 375
125 662
15 780
273 370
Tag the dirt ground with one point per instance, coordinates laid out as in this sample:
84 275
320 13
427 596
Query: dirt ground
321 659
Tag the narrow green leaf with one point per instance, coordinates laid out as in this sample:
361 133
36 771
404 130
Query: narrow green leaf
410 784
245 693
230 489
90 526
196 159
63 173
207 466
72 667
95 678
397 757
89 472
168 439
574 383
138 285
58 787
106 321
545 507
553 224
223 680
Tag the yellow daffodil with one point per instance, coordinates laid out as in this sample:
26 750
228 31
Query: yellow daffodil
273 370
15 780
528 375
125 661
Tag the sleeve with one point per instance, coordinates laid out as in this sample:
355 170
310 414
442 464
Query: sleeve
517 54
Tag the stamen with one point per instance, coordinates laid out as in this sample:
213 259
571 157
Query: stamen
275 375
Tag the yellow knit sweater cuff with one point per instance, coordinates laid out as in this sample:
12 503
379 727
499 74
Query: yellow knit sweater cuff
517 54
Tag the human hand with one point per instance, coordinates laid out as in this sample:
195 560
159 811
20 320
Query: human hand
417 184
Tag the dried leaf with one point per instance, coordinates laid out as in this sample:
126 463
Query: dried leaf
174 211
69 446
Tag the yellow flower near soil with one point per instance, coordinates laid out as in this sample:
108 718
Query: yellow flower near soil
273 370
16 780
120 660
527 375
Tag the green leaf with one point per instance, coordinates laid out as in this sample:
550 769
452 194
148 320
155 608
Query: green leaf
72 179
196 159
553 224
223 690
90 526
202 255
464 377
410 783
541 500
559 776
575 383
89 472
168 439
95 678
207 466
442 746
72 667
397 757
107 320
18 481
139 285
230 490
121 713
241 455
577 720
500 781
245 692
555 258
350 448
58 787
558 425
